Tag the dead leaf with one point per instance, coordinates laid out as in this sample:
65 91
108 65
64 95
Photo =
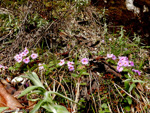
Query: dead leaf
7 100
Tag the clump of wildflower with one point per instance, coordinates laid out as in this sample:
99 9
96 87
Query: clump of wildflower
26 60
111 56
136 71
62 62
34 55
123 62
21 56
70 65
84 61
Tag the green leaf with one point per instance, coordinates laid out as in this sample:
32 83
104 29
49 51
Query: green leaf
125 70
49 108
104 105
126 85
127 108
131 87
129 100
31 88
11 68
51 92
35 79
83 84
140 81
3 108
37 106
61 109
84 73
74 75
100 111
141 65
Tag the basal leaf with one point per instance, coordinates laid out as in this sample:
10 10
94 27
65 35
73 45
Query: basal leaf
37 106
31 88
131 87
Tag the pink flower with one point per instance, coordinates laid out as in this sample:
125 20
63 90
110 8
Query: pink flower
62 62
26 60
26 51
120 63
19 59
125 63
84 61
5 67
70 63
119 69
71 68
109 55
16 57
34 55
123 58
41 67
103 41
114 57
23 54
1 66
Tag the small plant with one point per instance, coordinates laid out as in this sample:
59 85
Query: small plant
78 68
45 100
25 61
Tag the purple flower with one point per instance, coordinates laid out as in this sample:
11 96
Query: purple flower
119 69
62 62
136 71
84 61
131 63
26 60
114 57
70 63
71 68
139 73
34 55
109 55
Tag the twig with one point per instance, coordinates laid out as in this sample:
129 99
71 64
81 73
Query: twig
127 93
77 96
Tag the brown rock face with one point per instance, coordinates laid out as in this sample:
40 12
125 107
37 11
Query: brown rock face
118 14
